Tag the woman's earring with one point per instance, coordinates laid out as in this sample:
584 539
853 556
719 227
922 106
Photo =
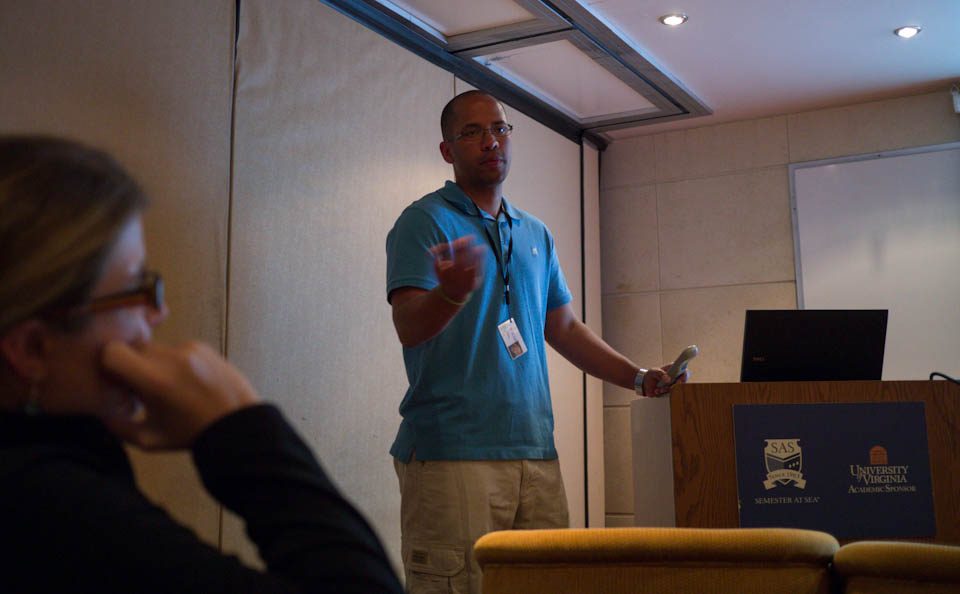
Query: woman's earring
32 406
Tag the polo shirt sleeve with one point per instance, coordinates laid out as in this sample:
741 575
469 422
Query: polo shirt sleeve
558 293
409 261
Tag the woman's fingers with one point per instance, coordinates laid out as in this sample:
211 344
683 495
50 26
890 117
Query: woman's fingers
134 367
183 390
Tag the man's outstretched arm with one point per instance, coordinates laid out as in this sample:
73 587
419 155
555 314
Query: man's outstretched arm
579 345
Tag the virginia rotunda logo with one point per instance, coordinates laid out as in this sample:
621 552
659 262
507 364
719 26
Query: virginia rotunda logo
880 476
784 460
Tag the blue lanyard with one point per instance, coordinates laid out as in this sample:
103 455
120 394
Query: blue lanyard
504 266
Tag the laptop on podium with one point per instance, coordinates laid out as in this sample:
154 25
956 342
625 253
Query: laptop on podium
813 344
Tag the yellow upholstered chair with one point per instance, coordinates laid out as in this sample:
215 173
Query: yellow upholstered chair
661 560
898 568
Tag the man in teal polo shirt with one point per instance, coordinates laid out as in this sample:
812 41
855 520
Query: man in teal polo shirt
476 287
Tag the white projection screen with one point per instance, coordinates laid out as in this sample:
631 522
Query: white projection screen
882 231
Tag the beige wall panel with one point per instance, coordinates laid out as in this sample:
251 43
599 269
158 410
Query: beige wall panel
713 319
725 148
545 181
336 132
628 162
631 324
723 230
619 520
234 541
594 319
904 122
651 438
629 239
618 461
151 83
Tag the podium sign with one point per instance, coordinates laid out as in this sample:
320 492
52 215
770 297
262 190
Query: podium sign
852 470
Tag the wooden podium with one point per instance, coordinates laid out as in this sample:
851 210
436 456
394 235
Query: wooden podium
704 465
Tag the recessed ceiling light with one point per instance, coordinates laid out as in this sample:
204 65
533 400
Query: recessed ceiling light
673 19
907 32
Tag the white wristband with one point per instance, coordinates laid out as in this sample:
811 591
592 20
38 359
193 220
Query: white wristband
638 381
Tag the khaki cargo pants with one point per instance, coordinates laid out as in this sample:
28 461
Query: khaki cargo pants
447 505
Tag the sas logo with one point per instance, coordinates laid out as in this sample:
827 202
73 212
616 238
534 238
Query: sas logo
784 460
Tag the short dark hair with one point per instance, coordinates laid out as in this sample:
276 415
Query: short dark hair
450 111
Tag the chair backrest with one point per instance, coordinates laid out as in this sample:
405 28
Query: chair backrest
662 560
898 568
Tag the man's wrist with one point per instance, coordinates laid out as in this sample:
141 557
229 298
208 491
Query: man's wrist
638 381
451 300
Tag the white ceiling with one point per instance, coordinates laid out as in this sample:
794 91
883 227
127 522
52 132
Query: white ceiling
739 59
753 58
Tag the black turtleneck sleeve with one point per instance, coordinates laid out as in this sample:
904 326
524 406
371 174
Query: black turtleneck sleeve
74 521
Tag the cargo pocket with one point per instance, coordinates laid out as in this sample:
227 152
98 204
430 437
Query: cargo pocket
436 569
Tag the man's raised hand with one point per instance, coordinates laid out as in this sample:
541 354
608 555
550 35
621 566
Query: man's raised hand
459 266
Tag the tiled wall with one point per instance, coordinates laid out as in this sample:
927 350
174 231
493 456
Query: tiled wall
695 228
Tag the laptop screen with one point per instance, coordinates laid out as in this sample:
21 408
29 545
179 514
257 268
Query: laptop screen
813 345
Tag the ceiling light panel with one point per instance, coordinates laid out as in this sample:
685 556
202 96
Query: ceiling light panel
563 75
455 17
553 60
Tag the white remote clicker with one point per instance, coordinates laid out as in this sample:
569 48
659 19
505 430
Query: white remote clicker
679 366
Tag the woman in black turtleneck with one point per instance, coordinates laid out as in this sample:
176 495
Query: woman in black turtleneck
80 374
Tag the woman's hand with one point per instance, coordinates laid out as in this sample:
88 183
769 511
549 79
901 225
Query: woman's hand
182 391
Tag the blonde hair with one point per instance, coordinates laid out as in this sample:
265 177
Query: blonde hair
62 205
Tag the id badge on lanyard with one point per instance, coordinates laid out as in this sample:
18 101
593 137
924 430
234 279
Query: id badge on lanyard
509 331
512 339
